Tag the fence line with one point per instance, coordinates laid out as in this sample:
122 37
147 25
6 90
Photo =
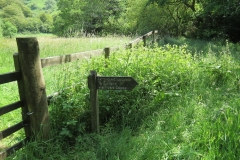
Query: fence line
51 61
56 60
31 87
7 78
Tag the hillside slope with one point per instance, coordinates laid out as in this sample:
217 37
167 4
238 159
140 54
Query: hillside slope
41 5
27 16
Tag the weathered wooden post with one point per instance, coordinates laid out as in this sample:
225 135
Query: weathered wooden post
153 35
22 96
144 41
92 84
105 83
35 97
107 54
130 45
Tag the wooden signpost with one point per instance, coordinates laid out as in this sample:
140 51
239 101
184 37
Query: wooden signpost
105 83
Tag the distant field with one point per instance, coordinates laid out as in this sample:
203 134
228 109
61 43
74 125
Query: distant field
52 46
49 46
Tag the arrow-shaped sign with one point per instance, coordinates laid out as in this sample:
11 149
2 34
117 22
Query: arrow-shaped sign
106 83
116 83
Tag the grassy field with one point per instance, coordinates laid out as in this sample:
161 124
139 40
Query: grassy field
49 46
186 105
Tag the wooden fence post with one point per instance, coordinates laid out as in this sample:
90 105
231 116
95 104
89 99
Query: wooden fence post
34 86
92 84
130 45
106 54
153 34
22 96
144 41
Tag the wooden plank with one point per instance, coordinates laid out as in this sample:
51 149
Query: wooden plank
51 96
120 47
11 130
10 107
51 61
137 40
94 100
115 83
114 49
9 77
148 34
16 147
22 96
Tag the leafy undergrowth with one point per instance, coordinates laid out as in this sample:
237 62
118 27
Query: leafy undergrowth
186 106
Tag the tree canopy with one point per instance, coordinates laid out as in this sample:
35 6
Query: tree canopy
19 15
9 30
78 16
204 19
208 18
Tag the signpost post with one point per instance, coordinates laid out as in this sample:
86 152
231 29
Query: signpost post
105 83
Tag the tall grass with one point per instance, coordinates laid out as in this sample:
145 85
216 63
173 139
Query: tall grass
54 77
186 106
52 46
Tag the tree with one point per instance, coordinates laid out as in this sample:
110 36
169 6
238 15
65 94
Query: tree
12 10
176 15
34 6
219 18
3 3
20 22
141 16
49 4
47 22
69 20
114 22
26 10
209 18
33 25
16 13
9 30
83 15
188 3
132 15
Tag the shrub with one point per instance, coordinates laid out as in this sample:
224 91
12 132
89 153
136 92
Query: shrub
9 30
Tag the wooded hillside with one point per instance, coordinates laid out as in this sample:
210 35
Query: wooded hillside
26 16
204 19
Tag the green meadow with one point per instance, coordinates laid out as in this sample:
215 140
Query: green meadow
186 104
